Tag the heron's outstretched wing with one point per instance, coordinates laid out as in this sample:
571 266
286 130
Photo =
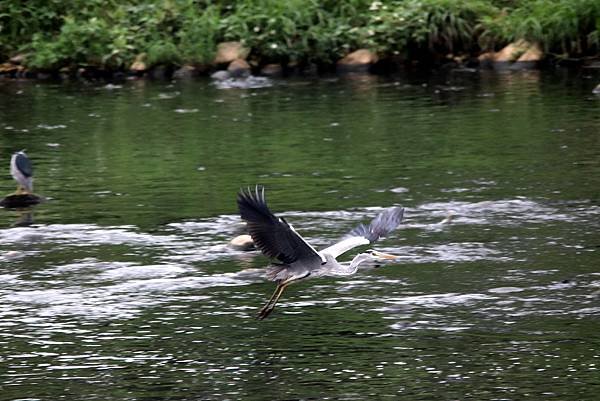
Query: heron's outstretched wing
273 235
380 226
23 164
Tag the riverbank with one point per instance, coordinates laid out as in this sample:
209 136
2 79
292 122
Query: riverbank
159 39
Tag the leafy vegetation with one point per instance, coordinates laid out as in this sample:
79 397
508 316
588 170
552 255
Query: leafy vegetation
109 34
428 26
569 27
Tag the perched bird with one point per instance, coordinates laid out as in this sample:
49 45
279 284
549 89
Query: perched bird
299 260
22 171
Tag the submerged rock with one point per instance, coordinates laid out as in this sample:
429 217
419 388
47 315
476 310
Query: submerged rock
20 200
242 242
272 70
221 75
250 82
185 72
239 68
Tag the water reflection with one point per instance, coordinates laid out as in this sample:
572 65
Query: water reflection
24 217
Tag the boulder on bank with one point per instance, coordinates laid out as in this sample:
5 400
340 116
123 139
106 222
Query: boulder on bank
10 69
533 54
511 52
230 51
530 59
17 59
139 64
357 61
238 68
519 54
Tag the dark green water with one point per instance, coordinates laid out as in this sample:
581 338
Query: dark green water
124 288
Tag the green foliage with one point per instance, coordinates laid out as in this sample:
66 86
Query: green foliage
111 33
564 26
163 52
93 43
286 30
429 25
198 35
20 20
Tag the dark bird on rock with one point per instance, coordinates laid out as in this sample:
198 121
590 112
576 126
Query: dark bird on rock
22 171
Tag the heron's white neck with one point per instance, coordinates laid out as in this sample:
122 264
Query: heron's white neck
351 268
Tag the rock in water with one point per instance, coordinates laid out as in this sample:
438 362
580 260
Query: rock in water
242 243
272 70
20 200
239 68
185 72
221 75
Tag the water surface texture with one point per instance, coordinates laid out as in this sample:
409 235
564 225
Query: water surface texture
122 287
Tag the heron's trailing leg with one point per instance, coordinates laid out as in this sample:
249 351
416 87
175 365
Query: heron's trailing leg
270 305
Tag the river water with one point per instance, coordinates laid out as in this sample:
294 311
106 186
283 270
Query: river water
122 287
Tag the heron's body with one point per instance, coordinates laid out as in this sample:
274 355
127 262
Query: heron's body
22 171
299 260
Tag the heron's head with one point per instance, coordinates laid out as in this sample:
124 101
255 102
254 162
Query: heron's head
371 255
381 256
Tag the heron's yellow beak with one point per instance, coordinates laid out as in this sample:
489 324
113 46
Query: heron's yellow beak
382 255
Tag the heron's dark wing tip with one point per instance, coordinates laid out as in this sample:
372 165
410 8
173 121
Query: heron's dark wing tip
250 202
272 235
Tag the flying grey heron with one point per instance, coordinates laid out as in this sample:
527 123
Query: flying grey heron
22 171
277 239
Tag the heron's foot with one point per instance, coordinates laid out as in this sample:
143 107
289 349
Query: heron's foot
21 191
265 311
270 305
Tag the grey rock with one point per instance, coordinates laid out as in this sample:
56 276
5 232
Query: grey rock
221 75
